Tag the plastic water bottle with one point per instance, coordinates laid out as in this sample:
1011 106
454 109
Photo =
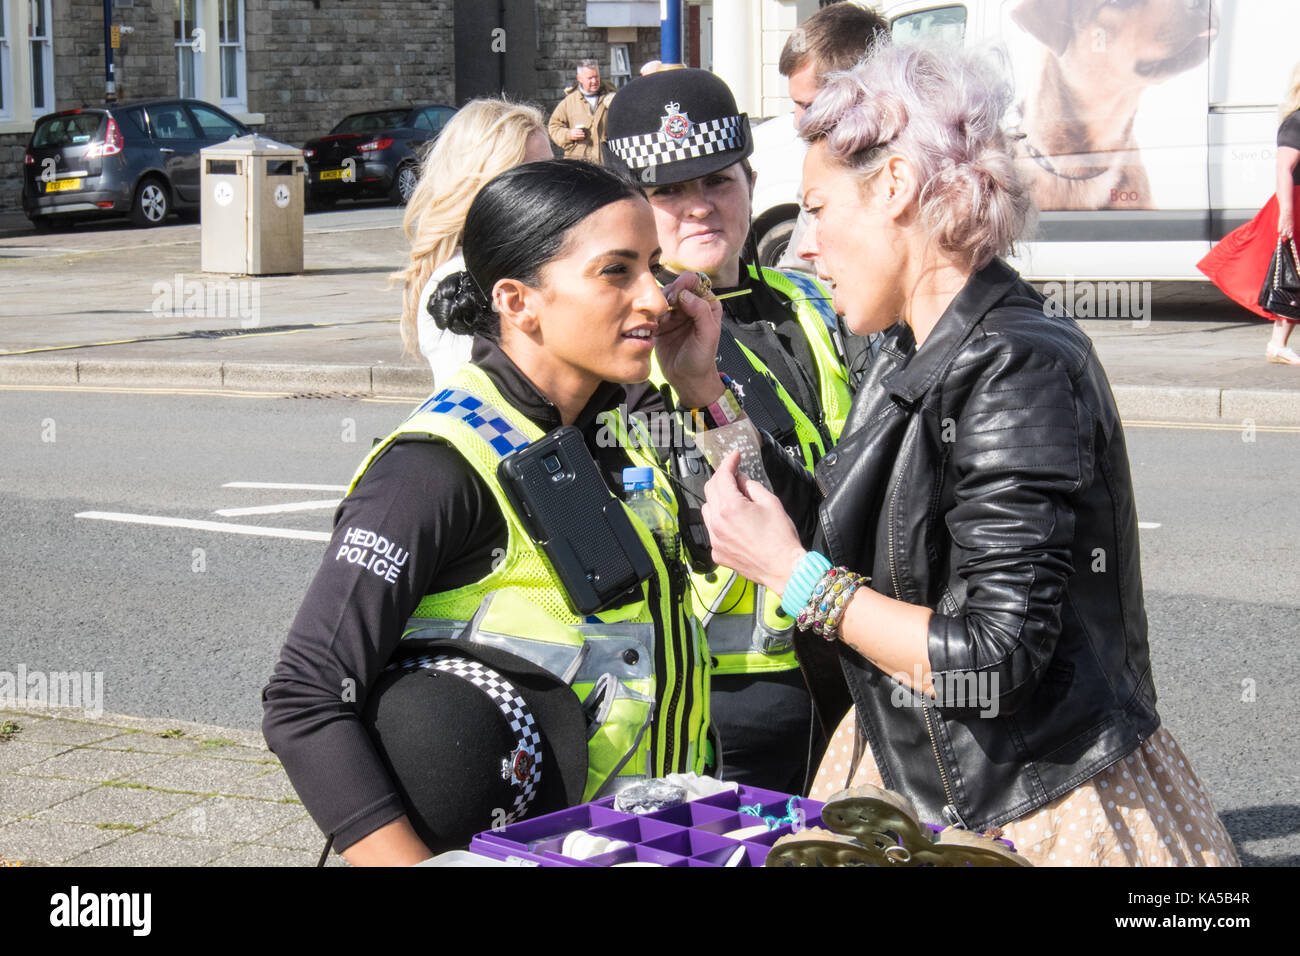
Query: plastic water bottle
638 484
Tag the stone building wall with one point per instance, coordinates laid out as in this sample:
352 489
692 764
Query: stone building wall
565 39
307 67
307 62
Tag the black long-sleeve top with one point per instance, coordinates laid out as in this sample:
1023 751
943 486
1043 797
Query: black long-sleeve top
428 501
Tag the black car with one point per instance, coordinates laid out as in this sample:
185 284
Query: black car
376 153
141 159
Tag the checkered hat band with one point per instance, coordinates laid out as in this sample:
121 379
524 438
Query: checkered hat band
492 426
705 139
512 706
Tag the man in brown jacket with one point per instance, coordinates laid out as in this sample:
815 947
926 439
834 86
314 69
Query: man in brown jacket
578 124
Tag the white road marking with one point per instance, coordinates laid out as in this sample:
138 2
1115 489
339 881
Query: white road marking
1148 524
276 509
283 486
222 526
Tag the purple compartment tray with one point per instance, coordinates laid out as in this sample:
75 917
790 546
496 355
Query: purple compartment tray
638 854
685 835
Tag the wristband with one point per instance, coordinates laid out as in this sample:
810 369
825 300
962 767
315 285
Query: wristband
726 410
803 579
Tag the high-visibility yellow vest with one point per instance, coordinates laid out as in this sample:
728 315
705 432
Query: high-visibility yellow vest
748 633
642 669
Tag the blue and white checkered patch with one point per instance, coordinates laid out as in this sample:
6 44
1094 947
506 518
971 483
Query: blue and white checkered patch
816 296
492 426
805 284
653 149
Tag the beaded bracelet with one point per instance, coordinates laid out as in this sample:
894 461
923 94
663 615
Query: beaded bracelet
827 602
830 630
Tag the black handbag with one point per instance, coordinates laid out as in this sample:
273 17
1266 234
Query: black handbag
1280 294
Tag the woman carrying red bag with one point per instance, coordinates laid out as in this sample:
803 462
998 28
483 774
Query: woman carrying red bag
1239 263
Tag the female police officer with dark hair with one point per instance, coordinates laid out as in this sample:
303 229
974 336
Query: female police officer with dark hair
465 729
680 136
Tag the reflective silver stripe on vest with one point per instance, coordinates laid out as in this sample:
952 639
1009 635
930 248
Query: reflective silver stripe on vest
745 634
624 650
493 427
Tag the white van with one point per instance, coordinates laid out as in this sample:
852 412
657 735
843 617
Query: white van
1146 128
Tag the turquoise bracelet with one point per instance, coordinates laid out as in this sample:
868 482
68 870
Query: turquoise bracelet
803 579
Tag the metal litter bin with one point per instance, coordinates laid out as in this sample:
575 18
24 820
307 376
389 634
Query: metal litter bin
251 207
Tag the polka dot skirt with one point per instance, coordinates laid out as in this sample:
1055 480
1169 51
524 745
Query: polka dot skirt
1147 809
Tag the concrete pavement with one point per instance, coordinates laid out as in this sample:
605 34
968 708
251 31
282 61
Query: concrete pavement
118 307
80 789
112 307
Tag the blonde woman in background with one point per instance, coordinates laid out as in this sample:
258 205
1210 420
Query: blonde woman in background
485 138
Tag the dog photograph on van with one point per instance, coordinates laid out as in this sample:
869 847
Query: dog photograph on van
1105 99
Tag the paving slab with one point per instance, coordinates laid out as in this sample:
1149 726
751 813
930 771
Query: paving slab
17 754
151 849
265 856
141 741
196 775
20 795
269 785
274 856
70 732
43 841
302 834
221 817
85 763
125 806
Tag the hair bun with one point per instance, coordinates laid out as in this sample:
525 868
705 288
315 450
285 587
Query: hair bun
458 306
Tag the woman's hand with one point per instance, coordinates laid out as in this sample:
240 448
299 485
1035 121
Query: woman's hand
748 527
687 343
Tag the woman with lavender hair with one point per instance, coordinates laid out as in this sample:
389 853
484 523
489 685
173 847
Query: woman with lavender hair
971 547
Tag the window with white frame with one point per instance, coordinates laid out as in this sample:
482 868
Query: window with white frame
233 85
6 78
190 40
42 58
620 64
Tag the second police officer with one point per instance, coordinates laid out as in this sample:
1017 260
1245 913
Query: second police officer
680 135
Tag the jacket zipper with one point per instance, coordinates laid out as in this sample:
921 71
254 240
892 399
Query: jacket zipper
950 808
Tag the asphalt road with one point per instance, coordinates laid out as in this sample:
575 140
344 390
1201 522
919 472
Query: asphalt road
186 622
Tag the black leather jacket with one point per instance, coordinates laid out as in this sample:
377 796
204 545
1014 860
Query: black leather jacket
985 477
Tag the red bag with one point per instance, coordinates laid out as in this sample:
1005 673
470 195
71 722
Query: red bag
1238 263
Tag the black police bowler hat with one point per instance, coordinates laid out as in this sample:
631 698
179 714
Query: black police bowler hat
673 126
475 737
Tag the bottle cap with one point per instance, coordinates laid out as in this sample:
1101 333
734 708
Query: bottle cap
634 479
